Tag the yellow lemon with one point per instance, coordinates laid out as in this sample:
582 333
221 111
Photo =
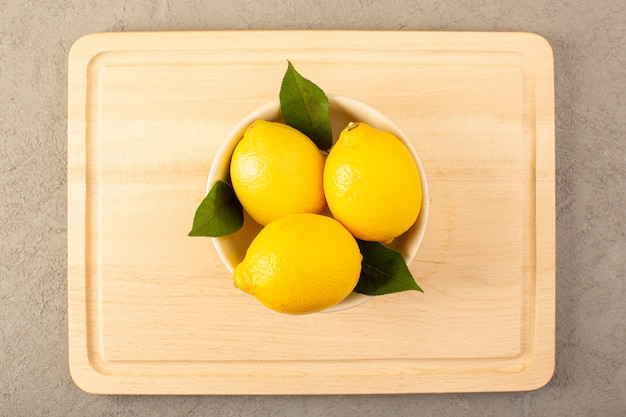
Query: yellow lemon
372 183
300 264
276 171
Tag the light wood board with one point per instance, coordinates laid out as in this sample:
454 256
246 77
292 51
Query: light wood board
152 311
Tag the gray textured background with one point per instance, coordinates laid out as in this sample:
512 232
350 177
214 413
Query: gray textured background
588 38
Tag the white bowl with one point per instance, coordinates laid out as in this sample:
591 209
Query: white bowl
232 249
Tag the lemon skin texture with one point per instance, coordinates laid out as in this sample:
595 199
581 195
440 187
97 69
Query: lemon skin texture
372 183
276 171
299 264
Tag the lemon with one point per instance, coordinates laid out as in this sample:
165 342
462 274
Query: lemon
276 171
372 183
301 263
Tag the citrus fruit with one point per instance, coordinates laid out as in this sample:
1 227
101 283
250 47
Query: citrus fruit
301 263
372 183
276 171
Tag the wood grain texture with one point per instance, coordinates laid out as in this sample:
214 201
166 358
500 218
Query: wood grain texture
152 311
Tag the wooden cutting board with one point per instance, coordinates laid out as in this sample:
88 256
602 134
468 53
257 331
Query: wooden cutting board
152 311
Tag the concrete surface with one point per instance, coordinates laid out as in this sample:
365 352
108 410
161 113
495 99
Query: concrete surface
588 38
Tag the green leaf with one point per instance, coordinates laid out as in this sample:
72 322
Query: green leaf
305 107
383 270
219 214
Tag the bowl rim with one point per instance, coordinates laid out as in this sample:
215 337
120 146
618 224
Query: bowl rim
270 111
